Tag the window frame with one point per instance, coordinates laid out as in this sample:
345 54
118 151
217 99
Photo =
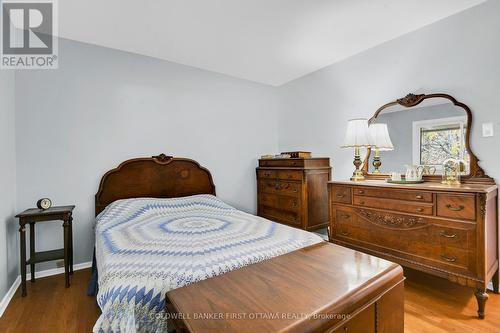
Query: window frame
419 124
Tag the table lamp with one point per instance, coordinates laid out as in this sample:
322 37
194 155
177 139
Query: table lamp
356 137
381 141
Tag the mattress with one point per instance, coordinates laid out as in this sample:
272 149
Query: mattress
146 247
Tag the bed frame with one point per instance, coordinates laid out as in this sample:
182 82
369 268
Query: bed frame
158 176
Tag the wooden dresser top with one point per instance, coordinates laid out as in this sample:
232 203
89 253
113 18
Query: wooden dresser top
427 186
323 278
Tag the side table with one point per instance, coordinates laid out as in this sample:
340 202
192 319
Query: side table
35 215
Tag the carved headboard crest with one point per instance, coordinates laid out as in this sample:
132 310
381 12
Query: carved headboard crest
160 176
162 158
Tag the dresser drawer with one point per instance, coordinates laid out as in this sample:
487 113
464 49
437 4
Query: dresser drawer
279 215
281 202
272 174
340 194
413 238
458 206
395 205
394 194
280 187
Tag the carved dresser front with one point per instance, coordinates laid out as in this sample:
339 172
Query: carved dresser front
448 231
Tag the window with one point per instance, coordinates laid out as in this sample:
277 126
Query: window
436 140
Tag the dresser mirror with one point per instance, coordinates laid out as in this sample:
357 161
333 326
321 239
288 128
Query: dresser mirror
425 131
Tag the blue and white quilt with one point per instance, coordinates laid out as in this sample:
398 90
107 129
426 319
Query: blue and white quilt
146 247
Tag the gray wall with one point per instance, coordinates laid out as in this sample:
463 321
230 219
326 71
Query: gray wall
459 55
104 106
8 229
400 126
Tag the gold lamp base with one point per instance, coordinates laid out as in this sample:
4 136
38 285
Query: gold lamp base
357 175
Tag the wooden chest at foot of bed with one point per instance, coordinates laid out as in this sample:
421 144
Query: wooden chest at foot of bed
321 288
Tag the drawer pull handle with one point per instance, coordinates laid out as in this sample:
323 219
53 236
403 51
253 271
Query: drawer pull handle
267 174
361 202
345 216
340 195
295 190
419 210
420 197
294 204
448 259
455 209
345 233
444 234
361 192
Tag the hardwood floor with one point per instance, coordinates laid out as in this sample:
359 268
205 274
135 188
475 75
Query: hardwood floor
52 308
432 305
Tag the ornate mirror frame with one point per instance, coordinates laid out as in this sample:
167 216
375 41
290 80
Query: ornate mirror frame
477 174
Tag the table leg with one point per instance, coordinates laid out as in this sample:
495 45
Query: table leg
32 250
71 244
22 238
66 251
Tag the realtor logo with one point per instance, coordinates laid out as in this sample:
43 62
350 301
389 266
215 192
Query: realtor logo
28 29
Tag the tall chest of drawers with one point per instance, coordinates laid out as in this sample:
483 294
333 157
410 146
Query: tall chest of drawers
293 191
451 232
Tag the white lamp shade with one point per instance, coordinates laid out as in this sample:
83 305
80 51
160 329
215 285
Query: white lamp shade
356 134
379 137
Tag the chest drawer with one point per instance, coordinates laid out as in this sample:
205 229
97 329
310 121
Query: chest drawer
271 174
394 194
341 194
290 174
279 201
284 162
458 206
280 187
396 205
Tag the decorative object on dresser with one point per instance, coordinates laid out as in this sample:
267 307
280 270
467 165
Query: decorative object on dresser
35 215
446 230
357 137
293 191
298 154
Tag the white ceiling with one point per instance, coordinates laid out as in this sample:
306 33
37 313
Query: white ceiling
268 41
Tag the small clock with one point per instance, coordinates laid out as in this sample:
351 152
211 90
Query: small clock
44 203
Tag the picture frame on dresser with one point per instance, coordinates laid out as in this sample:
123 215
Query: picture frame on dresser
450 231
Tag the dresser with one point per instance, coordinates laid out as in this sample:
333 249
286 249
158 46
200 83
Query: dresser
293 191
448 231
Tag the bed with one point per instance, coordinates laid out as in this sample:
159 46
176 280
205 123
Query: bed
160 227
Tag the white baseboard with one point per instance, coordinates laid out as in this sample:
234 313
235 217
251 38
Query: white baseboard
10 293
41 274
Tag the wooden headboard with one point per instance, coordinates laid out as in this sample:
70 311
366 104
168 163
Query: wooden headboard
159 176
